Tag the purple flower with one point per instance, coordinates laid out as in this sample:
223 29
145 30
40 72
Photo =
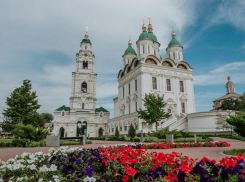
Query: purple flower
89 170
78 161
71 159
181 176
65 167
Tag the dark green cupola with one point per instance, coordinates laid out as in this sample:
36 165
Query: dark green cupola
86 40
129 50
174 41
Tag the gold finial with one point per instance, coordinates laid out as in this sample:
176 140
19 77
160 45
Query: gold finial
86 34
129 42
173 33
143 26
150 25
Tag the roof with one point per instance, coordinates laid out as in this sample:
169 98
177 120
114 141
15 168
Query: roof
86 41
130 50
174 42
227 96
101 109
153 37
48 125
63 108
144 35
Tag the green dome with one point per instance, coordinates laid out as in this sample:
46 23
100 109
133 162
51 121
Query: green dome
86 41
144 35
130 50
153 37
174 42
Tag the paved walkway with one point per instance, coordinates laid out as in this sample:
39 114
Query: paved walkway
198 152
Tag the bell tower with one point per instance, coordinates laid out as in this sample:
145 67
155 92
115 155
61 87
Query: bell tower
83 91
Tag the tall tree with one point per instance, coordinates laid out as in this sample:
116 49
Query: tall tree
238 122
242 102
131 132
231 104
48 117
154 109
117 134
21 104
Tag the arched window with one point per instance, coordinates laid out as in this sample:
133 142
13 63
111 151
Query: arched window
85 64
143 49
82 105
84 87
167 64
63 113
154 52
125 128
85 47
150 61
136 63
181 66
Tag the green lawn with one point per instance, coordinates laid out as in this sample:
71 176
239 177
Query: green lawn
5 140
155 139
234 151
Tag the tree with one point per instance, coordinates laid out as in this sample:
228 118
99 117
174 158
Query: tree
154 109
29 132
239 123
242 102
231 104
131 132
21 103
117 134
35 119
222 123
48 117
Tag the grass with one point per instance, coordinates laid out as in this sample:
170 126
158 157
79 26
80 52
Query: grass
5 140
234 151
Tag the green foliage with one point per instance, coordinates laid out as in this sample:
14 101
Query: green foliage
239 123
234 151
117 134
242 102
131 132
21 104
114 138
35 119
231 104
139 135
47 117
154 109
29 132
88 142
20 143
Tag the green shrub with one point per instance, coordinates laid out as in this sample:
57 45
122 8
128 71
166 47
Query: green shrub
136 140
117 134
131 132
139 135
88 142
5 144
20 143
97 138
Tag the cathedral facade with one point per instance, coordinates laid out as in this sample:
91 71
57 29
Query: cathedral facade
146 72
82 112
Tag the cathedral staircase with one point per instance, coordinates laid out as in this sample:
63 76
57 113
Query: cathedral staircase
173 122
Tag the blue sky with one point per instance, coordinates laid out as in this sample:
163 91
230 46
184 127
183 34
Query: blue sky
39 41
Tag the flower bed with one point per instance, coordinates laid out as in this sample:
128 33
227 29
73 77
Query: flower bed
117 164
168 145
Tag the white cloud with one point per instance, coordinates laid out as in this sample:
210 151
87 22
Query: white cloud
219 75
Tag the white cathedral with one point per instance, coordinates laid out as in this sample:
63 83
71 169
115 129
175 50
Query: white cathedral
144 72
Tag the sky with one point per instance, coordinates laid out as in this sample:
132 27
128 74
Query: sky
39 41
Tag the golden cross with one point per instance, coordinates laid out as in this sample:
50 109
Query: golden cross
149 20
143 21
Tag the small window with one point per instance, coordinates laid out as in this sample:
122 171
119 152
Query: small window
125 128
82 105
85 65
143 49
120 128
84 87
154 52
128 89
112 129
63 113
135 83
85 47
154 83
123 91
148 49
169 110
136 106
168 85
129 108
183 107
181 84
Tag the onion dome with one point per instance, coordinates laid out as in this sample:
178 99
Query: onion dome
129 50
86 40
174 41
144 34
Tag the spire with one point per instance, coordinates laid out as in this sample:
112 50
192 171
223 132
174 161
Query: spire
86 34
144 26
129 41
149 26
228 77
173 33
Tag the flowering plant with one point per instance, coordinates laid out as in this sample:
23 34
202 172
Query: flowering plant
118 163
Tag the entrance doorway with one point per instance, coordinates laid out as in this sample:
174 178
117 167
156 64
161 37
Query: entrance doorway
62 132
101 132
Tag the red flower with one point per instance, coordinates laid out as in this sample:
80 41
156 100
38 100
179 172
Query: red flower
130 171
125 178
104 161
